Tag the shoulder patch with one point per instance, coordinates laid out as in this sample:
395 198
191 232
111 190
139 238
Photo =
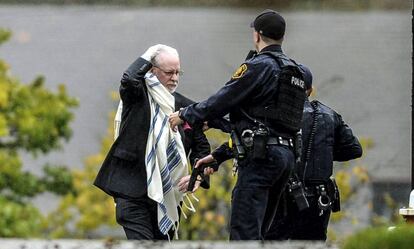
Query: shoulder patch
240 71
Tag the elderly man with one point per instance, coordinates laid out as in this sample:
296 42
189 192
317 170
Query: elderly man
148 160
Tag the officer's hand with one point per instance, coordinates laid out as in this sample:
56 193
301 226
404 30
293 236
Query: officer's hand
183 184
175 121
151 52
205 126
208 171
204 160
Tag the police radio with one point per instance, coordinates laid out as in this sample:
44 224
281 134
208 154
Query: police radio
297 193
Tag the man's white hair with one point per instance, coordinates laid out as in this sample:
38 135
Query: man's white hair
164 49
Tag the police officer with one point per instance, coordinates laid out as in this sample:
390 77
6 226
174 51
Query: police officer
250 92
326 138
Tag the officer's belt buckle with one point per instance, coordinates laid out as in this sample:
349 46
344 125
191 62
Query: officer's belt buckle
280 141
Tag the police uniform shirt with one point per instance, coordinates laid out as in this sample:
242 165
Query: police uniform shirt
252 83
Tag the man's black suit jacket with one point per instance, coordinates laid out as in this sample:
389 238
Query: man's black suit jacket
123 171
195 142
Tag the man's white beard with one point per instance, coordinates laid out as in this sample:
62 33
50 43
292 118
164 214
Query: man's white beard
173 90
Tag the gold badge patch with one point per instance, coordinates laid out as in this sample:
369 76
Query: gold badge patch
240 71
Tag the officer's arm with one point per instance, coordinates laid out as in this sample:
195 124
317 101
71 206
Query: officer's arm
346 146
200 147
220 123
229 96
132 82
222 153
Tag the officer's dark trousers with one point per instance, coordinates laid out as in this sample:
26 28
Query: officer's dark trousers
257 192
308 224
138 217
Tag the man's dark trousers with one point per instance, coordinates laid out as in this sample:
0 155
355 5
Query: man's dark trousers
138 217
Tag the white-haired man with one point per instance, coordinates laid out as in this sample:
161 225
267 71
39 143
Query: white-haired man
148 160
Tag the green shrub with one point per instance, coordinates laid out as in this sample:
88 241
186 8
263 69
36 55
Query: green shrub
401 237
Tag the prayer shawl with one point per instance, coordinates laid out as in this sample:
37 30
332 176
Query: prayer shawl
166 161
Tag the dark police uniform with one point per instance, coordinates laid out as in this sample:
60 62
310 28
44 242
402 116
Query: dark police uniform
333 140
260 182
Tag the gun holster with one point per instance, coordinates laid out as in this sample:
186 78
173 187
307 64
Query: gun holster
260 138
333 192
238 150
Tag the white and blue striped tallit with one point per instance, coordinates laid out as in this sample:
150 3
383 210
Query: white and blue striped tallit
117 120
165 156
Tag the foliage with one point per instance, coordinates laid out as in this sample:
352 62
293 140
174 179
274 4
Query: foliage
19 219
393 218
350 177
401 237
210 222
32 120
82 212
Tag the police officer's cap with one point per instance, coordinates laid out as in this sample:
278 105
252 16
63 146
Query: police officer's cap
270 24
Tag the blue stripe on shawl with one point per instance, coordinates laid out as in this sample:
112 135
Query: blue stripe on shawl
153 149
